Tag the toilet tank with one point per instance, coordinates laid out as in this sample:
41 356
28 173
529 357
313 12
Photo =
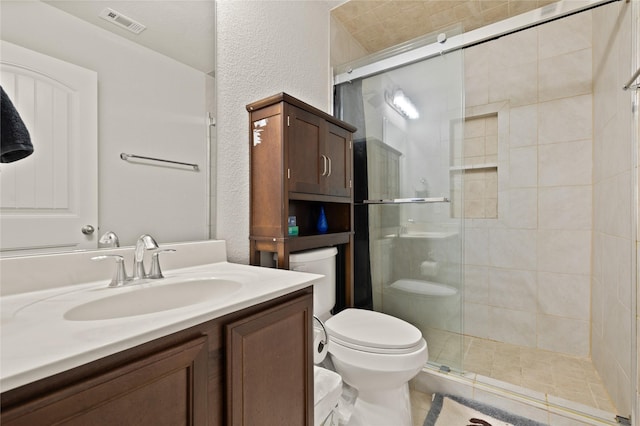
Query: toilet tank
319 261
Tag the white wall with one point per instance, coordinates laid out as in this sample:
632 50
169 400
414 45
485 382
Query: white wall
263 48
148 104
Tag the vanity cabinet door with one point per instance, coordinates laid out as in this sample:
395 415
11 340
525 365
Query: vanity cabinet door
166 388
270 366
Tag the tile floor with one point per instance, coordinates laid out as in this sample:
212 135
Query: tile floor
420 404
564 376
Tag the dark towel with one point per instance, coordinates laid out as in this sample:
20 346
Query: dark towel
15 143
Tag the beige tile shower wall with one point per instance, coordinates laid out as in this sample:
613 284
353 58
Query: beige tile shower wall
527 273
613 242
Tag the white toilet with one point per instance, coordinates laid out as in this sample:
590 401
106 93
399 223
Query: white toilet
373 352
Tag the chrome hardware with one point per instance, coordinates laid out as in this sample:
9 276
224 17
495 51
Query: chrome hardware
145 242
329 174
88 230
120 276
109 239
325 339
408 200
126 157
156 272
324 165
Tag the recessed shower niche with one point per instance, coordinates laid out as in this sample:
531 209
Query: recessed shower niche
474 173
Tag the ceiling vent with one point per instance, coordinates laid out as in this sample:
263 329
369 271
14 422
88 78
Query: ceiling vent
121 20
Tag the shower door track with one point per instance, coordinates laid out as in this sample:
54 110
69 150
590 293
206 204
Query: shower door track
505 27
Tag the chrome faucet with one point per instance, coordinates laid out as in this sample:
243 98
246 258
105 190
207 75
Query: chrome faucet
145 242
109 239
120 275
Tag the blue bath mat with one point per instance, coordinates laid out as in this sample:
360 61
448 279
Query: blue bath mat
450 410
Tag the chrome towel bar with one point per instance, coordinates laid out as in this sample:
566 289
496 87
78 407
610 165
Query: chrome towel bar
407 200
126 157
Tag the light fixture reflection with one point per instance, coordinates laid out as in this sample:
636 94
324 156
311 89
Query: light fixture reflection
402 104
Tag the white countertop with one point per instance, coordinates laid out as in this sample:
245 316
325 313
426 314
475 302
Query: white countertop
37 341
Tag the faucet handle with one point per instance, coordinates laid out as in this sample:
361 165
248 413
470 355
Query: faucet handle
156 272
109 239
120 276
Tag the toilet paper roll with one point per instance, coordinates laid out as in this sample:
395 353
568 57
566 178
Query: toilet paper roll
319 346
429 268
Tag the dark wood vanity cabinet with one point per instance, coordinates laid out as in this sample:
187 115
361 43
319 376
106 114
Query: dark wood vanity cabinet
301 160
252 367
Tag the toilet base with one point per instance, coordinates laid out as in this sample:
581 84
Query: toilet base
382 408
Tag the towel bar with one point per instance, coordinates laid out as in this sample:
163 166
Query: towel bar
126 157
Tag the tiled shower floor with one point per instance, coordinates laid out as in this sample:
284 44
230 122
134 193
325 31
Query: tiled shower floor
567 377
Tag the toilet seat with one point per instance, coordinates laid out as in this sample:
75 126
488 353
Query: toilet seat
375 332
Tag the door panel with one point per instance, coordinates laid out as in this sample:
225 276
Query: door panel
46 198
305 143
270 347
337 149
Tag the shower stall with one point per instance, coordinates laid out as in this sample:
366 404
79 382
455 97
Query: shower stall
495 201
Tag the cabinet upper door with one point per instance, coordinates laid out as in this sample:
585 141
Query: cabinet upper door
319 155
306 137
337 149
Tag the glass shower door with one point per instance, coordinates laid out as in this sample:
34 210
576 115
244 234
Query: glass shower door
410 124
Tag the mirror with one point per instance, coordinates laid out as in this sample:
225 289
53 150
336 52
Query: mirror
155 98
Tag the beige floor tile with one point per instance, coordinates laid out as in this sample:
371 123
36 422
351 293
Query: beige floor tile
606 405
544 387
420 405
555 374
509 377
537 375
576 396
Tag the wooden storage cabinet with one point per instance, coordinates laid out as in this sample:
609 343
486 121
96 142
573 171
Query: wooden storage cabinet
319 159
301 159
191 377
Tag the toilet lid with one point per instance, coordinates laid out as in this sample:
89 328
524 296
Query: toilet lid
371 329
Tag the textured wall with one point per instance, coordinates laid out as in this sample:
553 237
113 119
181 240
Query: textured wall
263 48
613 243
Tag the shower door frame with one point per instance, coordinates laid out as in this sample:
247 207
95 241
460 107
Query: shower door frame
502 28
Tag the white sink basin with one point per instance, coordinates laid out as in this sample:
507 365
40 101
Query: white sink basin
141 299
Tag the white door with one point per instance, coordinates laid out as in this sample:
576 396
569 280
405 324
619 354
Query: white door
47 199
